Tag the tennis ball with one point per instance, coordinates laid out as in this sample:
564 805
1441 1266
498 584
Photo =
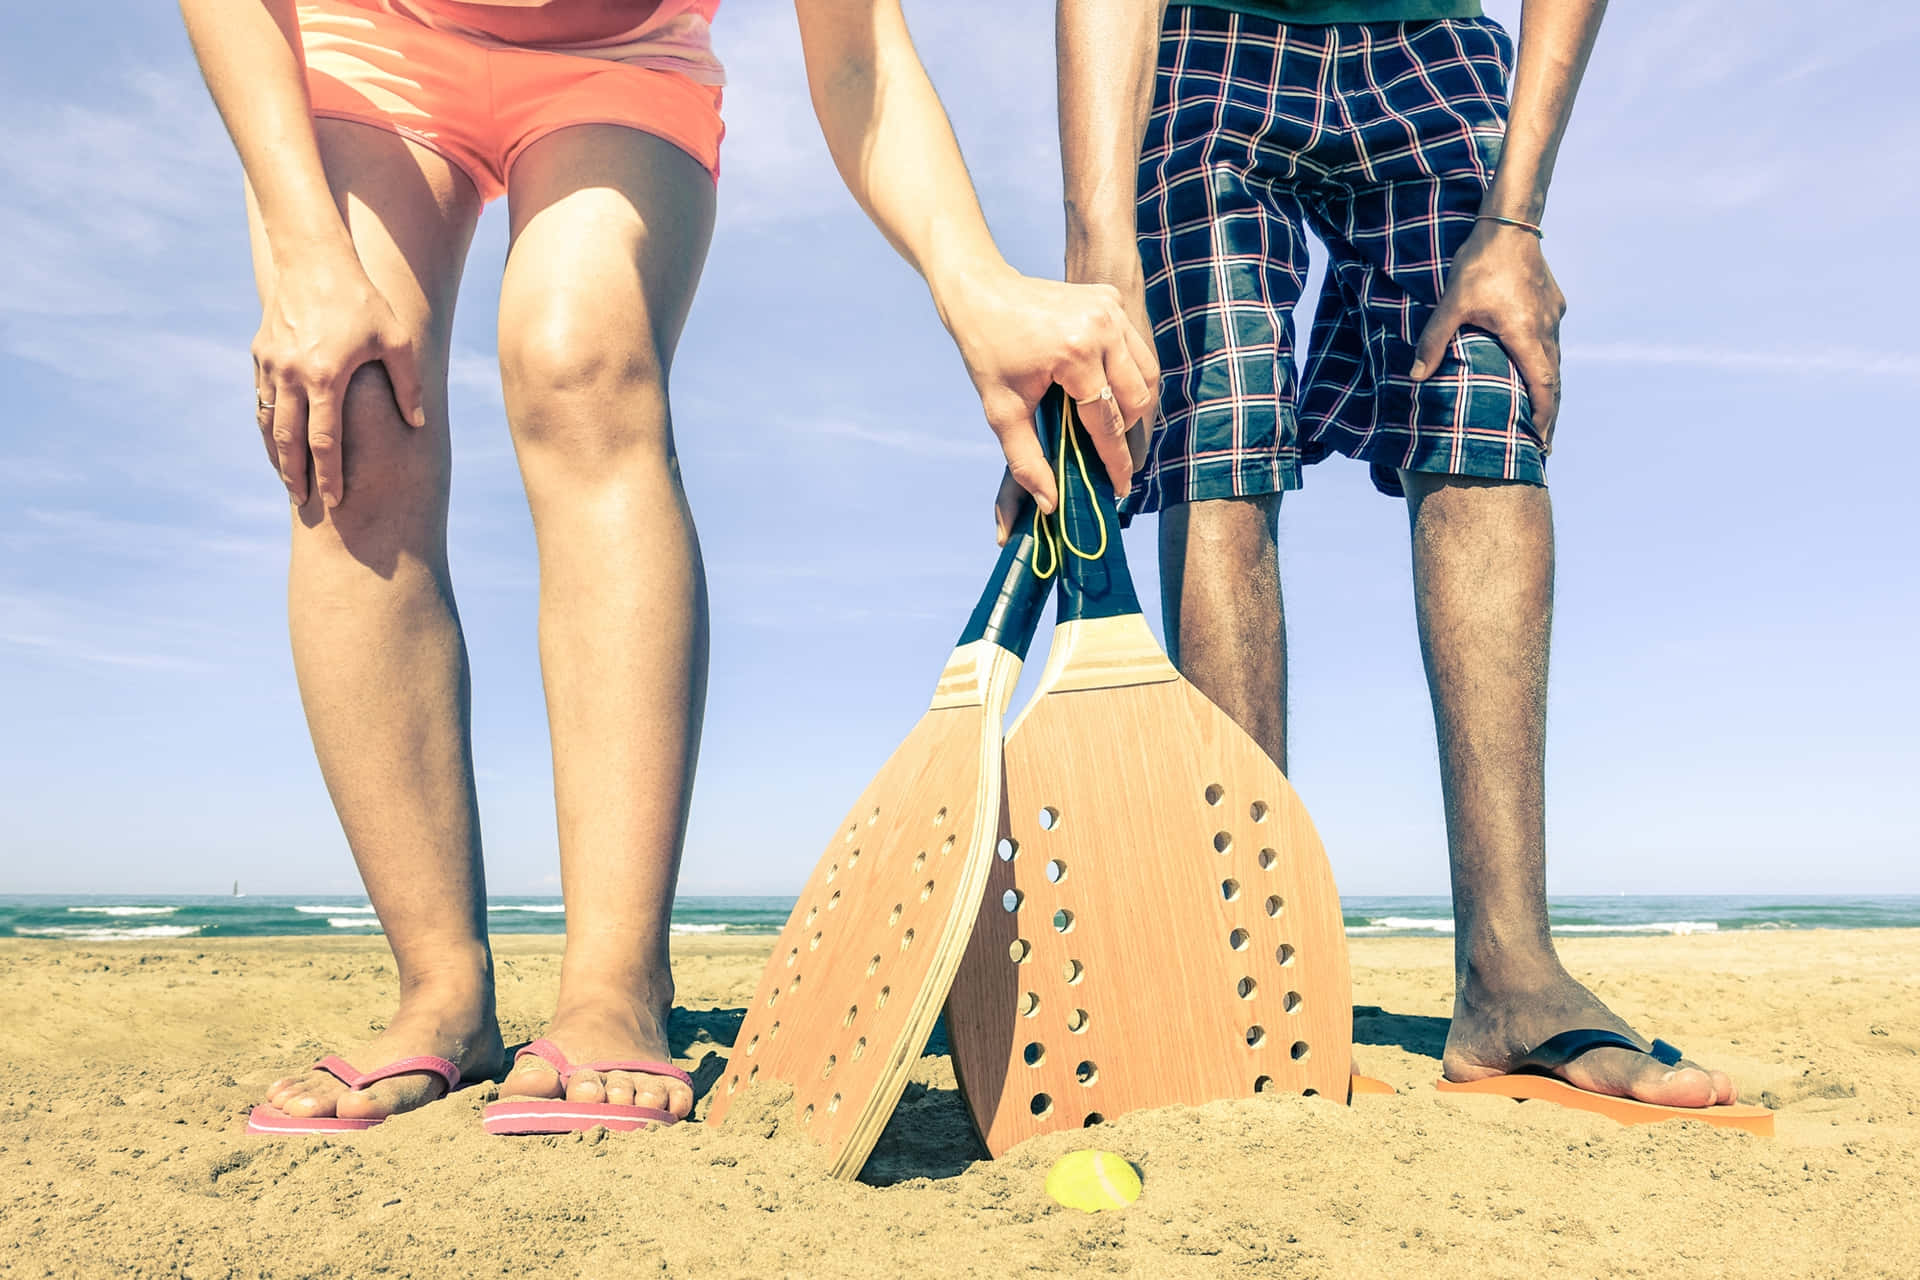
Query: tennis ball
1093 1180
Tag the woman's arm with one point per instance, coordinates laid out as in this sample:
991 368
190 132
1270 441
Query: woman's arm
323 318
1018 335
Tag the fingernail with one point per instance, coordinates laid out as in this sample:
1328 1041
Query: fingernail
999 531
1668 1078
330 502
1418 371
419 417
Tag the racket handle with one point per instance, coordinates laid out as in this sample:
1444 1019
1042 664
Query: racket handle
1094 580
1009 610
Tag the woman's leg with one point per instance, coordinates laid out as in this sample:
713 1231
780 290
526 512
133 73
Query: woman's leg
610 228
377 645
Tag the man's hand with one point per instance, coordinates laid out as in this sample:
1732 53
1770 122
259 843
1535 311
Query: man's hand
1019 336
1499 282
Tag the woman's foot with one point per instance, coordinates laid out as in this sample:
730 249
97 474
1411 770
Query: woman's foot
610 1023
452 1021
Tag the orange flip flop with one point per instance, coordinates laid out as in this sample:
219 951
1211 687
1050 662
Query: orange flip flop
1530 1080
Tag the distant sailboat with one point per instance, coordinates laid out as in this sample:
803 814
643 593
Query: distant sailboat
236 890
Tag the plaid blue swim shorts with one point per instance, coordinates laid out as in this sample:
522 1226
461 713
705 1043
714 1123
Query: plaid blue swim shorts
1381 138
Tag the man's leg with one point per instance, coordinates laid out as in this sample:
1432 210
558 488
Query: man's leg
377 645
610 228
1483 586
1220 598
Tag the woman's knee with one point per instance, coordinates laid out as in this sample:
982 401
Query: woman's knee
580 392
396 474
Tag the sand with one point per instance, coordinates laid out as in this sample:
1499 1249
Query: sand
125 1070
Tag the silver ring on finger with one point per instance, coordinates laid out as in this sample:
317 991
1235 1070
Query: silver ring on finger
1105 396
262 406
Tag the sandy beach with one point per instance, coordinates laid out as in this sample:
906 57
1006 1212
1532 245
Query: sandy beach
128 1068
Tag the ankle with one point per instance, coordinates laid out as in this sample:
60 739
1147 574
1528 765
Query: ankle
452 976
1490 971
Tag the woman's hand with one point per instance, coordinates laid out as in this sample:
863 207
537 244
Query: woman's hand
323 320
1019 335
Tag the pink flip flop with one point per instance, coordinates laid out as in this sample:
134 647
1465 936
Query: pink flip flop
520 1116
265 1120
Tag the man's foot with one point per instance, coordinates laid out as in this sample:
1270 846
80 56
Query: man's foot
1493 1029
457 1025
612 1026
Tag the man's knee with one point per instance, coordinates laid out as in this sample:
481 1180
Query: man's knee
1226 538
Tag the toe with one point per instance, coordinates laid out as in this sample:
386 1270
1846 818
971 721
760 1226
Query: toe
651 1091
621 1089
679 1098
1638 1076
1723 1087
531 1077
587 1087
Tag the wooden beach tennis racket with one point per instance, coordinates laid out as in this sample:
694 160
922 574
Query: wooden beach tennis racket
858 975
1160 924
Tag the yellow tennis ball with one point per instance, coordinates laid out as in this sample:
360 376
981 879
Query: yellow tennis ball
1093 1180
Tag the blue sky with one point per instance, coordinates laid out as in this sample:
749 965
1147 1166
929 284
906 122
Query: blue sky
1734 698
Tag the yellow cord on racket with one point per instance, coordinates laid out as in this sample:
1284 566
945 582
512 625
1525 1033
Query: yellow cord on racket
1050 537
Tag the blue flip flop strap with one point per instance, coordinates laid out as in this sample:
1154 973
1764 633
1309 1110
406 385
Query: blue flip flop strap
1557 1051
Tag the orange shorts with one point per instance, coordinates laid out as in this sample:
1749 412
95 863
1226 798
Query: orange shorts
481 105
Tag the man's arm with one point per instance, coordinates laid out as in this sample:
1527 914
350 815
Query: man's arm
1499 280
895 149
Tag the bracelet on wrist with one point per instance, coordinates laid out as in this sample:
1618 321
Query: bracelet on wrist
1533 228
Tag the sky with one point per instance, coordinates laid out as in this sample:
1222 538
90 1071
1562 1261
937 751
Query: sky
1734 699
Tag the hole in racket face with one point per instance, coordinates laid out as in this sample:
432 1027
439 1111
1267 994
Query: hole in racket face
1263 1084
940 817
1284 956
873 817
919 861
1063 921
1077 1021
1019 950
1086 1073
1256 1036
1274 904
1246 987
1257 811
1071 972
873 966
906 940
1041 1106
1229 889
1049 818
1006 849
827 1070
893 917
833 1104
926 891
1238 939
1292 1002
1093 1118
1011 899
1216 793
946 846
859 1048
1300 1051
1267 858
1034 1054
1223 842
853 1011
880 1001
1056 871
834 901
1030 1004
806 1117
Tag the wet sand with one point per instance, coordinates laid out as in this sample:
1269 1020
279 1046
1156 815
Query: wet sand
128 1067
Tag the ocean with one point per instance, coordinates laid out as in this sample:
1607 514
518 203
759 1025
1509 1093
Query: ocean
114 917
